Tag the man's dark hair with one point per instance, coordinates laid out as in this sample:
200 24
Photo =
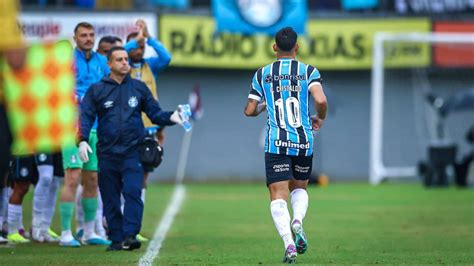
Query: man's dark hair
132 35
113 49
83 25
286 39
109 39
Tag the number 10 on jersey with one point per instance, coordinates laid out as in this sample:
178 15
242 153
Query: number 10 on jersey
292 112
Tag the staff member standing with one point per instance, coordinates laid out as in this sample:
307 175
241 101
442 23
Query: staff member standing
118 101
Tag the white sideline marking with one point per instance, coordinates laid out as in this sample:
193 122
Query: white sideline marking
165 224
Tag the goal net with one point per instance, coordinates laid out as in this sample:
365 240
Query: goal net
413 74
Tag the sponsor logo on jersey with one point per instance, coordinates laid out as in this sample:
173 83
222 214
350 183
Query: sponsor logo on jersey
290 144
133 102
269 78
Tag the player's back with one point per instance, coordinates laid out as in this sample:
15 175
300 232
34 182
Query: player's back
284 85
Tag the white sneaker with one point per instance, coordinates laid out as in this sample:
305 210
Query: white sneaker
3 240
48 237
37 234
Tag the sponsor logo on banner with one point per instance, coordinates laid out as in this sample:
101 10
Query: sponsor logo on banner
329 44
454 55
38 27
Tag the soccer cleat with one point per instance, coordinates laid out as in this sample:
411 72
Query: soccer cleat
3 240
37 234
300 238
17 238
115 246
48 237
96 241
52 233
73 243
142 238
131 243
80 234
24 233
290 254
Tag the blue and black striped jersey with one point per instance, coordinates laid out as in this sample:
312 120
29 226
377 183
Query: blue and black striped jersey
284 86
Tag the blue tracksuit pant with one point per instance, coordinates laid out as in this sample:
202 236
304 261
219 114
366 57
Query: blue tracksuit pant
121 175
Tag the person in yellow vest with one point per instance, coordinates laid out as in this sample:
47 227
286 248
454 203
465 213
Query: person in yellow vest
12 50
147 70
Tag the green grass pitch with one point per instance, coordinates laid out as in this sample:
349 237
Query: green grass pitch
346 224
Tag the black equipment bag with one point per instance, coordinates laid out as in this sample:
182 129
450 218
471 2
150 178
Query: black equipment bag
151 152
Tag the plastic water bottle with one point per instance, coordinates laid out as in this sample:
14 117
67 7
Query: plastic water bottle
185 113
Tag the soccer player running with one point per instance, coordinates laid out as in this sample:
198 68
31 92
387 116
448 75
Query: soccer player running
90 68
146 70
285 87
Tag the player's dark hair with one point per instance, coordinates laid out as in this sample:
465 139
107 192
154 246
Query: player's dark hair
112 50
286 39
86 25
109 39
132 35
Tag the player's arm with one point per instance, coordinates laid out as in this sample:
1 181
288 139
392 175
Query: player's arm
320 103
162 60
253 106
152 109
88 114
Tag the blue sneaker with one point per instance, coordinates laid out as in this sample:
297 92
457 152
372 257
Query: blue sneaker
97 241
300 237
73 243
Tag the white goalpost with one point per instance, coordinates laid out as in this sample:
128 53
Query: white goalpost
378 171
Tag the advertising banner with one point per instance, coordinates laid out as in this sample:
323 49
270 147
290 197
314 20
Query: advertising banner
328 44
453 55
41 26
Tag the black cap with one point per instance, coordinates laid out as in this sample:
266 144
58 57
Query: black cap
286 39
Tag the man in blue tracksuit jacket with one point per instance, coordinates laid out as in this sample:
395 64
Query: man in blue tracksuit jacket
118 101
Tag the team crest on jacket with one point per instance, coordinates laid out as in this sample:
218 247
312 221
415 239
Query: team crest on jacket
133 102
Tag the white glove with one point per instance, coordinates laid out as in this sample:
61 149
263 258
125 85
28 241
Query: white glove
84 148
176 118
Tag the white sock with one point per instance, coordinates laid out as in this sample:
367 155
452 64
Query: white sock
21 225
66 236
45 173
14 214
79 210
3 205
99 226
299 202
89 230
48 212
122 202
281 219
143 195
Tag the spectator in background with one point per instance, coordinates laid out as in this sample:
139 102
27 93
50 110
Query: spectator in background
11 50
106 43
147 70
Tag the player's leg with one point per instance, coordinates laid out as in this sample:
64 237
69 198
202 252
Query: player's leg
44 164
79 211
278 175
3 206
89 195
301 167
72 176
99 217
133 211
25 171
110 185
48 213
